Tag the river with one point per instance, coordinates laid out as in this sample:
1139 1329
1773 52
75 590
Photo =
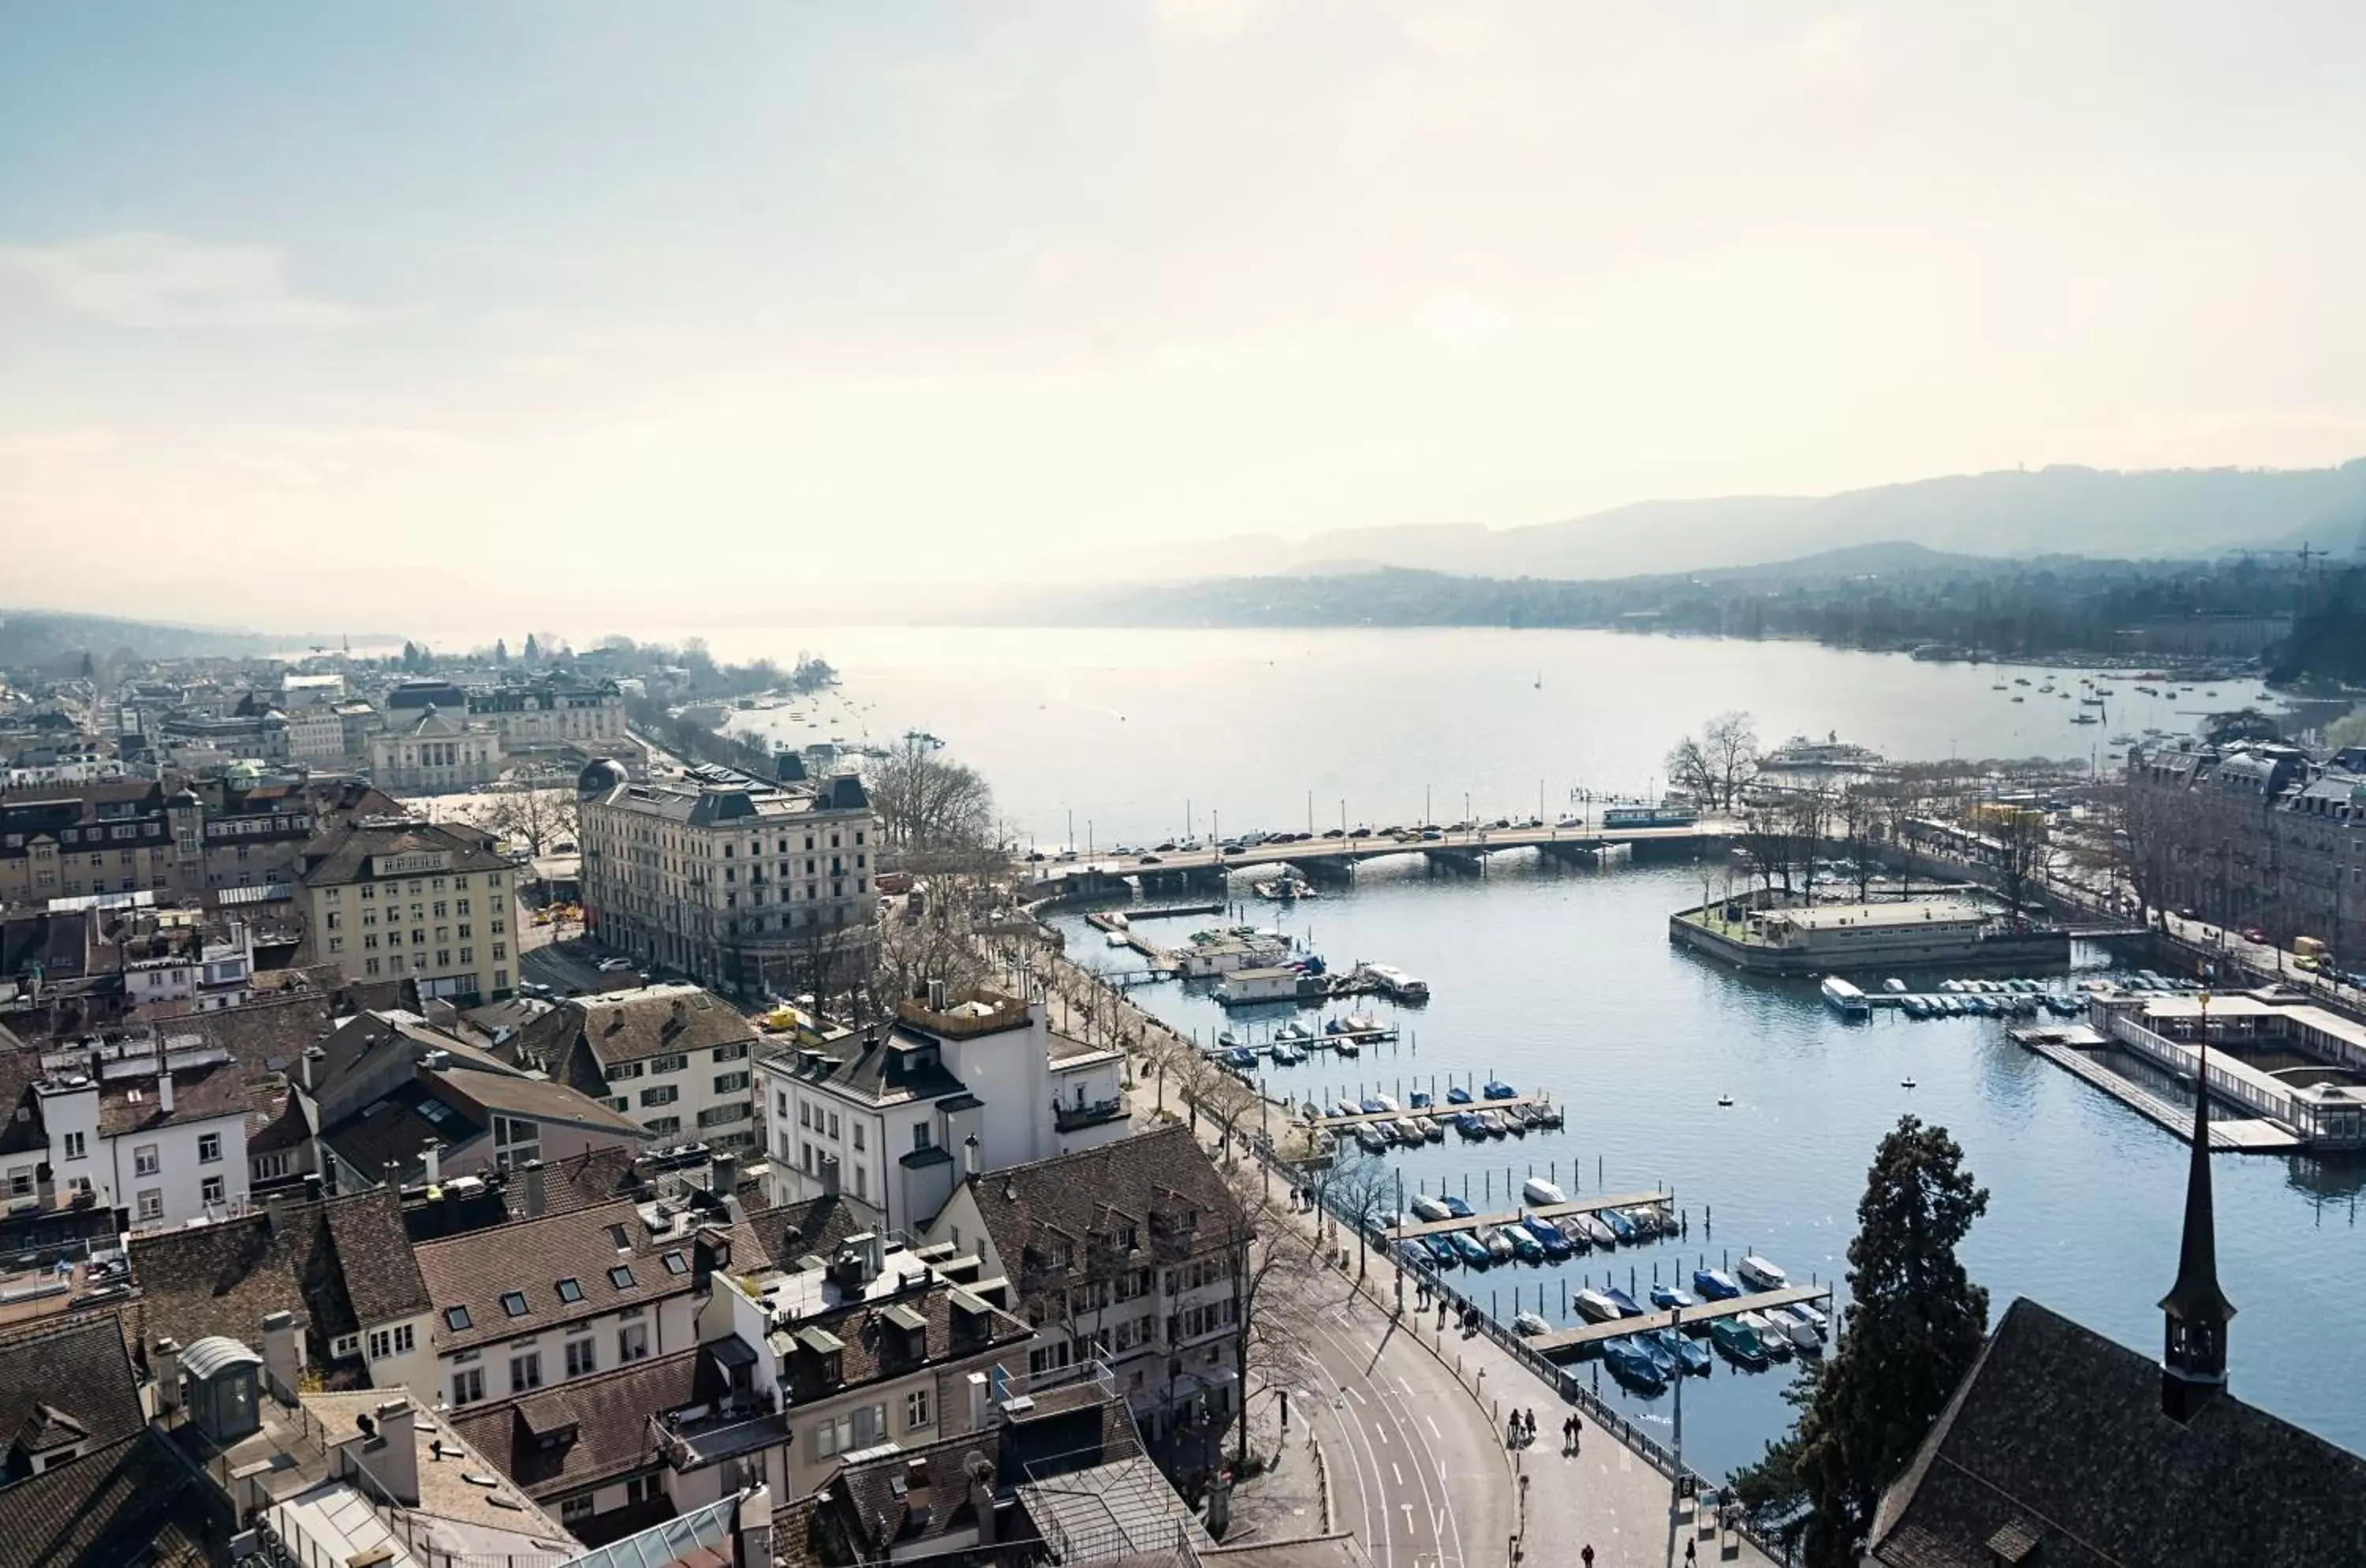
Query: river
1564 980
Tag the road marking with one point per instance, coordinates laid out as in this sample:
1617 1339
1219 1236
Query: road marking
1434 1432
1349 1388
1399 1474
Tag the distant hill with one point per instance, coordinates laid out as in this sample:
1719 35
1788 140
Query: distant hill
2140 516
30 637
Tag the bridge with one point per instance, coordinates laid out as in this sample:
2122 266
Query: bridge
1334 859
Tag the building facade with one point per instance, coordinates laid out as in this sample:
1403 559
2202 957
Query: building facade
746 884
434 752
149 1125
551 712
143 835
395 898
674 1058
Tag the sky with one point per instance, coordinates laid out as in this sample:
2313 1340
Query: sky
725 307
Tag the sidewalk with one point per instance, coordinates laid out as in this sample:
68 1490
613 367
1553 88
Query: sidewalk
1289 1498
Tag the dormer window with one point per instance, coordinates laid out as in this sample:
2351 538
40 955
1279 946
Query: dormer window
514 1303
621 1277
570 1291
457 1319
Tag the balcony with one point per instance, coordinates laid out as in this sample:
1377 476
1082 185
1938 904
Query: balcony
1072 1118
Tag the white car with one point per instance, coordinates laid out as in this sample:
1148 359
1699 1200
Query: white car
611 965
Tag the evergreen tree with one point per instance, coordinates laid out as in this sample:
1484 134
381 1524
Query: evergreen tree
1916 1325
501 650
410 656
533 654
88 670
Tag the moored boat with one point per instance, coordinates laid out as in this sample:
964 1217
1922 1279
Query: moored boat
1737 1341
1760 1275
1371 1140
1498 1245
1539 1191
1458 1207
1845 998
1493 1121
1457 1096
1595 1307
1715 1285
1595 1231
1804 1336
1498 1089
1469 1248
1690 1354
1470 1126
1528 1323
1428 1207
1621 1227
1776 1343
1632 1365
1669 1295
1524 1246
1548 1236
1627 1305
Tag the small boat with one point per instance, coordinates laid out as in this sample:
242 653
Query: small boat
1661 1356
1227 1039
1499 1246
1493 1121
1385 1101
1776 1343
1539 1191
1690 1354
1432 1209
1715 1285
1294 1032
1621 1227
1288 1055
1433 1131
1811 1314
1546 1115
1845 998
1408 1132
1907 1082
1441 1250
1344 1045
1548 1237
1914 1007
1458 1096
1725 1100
1737 1342
1371 1107
1470 1126
1574 1234
1469 1248
1459 1207
1760 1275
1524 1246
1630 1364
1414 1254
1804 1336
1894 985
1498 1089
1596 1307
1371 1140
1595 1231
1665 1296
1627 1305
1417 1101
1528 1323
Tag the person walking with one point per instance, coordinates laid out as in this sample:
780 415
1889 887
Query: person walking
1586 1556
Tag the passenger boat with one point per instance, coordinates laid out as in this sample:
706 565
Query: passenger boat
1548 1236
1844 999
1469 1248
1493 1121
1470 1126
1539 1191
1715 1285
1458 1207
1665 1296
1432 1209
1621 1227
1630 1364
1595 1231
1498 1089
1457 1096
1776 1343
1737 1341
1499 1246
1760 1275
1689 1353
1627 1305
1596 1307
1529 1325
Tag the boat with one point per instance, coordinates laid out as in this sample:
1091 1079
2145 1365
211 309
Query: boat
1574 1233
1905 1082
1441 1250
1524 1246
1431 1209
1539 1191
1546 1115
1596 1307
1725 1102
1627 1305
1407 1130
1470 1126
1288 1055
1845 998
1737 1342
1811 1314
1418 1100
1370 1106
1468 1248
1595 1231
1621 1227
1776 1343
1804 1336
2084 718
1630 1364
1414 1254
1346 1045
1498 1245
1459 1207
1666 1296
1914 1007
1690 1354
1385 1101
1715 1285
1760 1275
1293 1032
1528 1323
1117 938
1394 983
2018 698
1548 1237
1800 753
1371 1140
1458 1096
1493 1121
1433 1131
1894 985
1498 1089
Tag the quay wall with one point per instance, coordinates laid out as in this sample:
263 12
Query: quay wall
2037 949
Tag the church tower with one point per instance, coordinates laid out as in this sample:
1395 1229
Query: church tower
2193 1365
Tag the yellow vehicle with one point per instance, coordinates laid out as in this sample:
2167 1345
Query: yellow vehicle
2308 953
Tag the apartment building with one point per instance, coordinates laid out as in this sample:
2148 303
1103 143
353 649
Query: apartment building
152 1125
143 835
675 1058
435 751
896 1114
551 712
1130 1255
180 961
394 898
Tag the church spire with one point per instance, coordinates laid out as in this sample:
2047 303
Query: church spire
2193 1365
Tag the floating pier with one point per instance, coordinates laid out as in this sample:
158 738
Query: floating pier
1426 1113
1542 1212
1593 1335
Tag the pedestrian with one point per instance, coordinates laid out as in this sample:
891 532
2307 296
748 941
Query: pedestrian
1692 1552
1532 1424
1586 1556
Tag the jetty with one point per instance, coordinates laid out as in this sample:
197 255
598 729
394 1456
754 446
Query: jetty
1542 1211
2069 1049
1587 1336
1427 1113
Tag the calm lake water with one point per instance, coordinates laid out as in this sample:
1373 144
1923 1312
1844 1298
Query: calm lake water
1564 980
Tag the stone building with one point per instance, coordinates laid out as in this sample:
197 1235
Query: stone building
389 898
435 751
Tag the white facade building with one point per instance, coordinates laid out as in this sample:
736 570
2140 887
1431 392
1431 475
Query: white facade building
676 1059
155 1130
210 969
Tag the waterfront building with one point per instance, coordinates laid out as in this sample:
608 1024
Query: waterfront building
1778 938
896 1114
2254 835
2061 1448
748 883
553 711
394 898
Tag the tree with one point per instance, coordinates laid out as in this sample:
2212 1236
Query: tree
2019 834
501 650
1270 1257
2346 731
1859 810
409 655
1689 770
1732 747
1360 1189
532 650
88 668
1913 1330
927 802
535 817
1809 823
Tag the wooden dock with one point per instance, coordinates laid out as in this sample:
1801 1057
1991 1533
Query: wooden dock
2237 1134
1590 1335
1542 1212
1425 1113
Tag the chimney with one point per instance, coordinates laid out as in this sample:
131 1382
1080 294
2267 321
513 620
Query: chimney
314 1189
312 1054
723 1182
981 1495
829 1175
533 1190
710 1249
395 1465
164 1361
681 1015
431 1155
164 1092
969 1156
936 996
279 1374
981 1400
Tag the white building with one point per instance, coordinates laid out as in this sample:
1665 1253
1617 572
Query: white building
317 736
674 1058
891 1115
149 1124
209 968
434 752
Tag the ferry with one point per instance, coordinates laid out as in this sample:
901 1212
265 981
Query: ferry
1831 753
1396 984
1844 999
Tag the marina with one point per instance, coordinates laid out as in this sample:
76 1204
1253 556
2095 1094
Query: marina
1578 1338
1542 1212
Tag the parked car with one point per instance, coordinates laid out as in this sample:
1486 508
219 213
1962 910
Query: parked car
1149 860
614 965
2255 934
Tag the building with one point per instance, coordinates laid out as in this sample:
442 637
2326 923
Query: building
745 884
435 751
551 712
152 1125
674 1058
2255 834
2063 1450
183 963
393 898
895 1114
1130 1255
316 736
1752 933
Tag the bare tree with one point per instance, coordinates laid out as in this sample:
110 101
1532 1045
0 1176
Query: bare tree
938 943
1808 820
1730 743
535 817
1860 811
1360 1189
2018 835
927 804
1689 770
1271 1260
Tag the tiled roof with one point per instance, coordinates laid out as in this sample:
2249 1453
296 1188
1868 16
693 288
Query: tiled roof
266 1036
77 1376
200 1094
475 1270
223 1277
340 857
130 1503
653 1021
609 1412
579 1182
880 1067
381 1275
815 1226
392 1129
868 1354
2057 1433
536 1098
1071 1196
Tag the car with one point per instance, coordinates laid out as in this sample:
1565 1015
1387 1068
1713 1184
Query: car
1149 860
614 965
2186 912
1034 854
1432 833
1167 847
1333 833
1501 822
2254 933
1361 833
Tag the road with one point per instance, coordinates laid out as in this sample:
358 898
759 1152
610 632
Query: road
1479 840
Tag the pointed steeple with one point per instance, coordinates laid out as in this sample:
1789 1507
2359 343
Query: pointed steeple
2193 1364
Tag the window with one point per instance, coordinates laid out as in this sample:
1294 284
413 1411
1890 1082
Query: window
920 1135
457 1320
467 1386
735 1052
916 1408
210 1190
385 1342
144 1160
514 1303
574 1510
209 1148
625 1070
151 1203
858 1136
832 1437
20 1181
676 1265
729 1083
581 1359
672 1064
863 1183
633 1342
662 1094
833 1123
662 1126
526 1371
621 1277
344 1347
804 1113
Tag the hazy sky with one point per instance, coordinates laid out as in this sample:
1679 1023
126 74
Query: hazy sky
309 306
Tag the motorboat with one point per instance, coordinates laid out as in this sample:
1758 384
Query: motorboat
1725 1102
1689 1353
1661 1356
1914 1007
1353 1023
1894 985
1470 1126
1431 1209
1546 1115
1371 1140
1845 998
1499 1246
1595 1307
1665 1296
1630 1364
1573 1233
1241 1059
1811 1314
1385 1102
1517 1118
1760 1275
1226 1040
1648 1222
1536 1189
1433 1131
1498 1089
1419 1099
1715 1285
1372 1106
1288 1055
1493 1121
1548 1237
1294 1032
1459 1207
1627 1305
1777 1343
1621 1227
1524 1246
1414 1254
1905 1082
1804 1336
1736 1340
1408 1132
1469 1248
1529 1325
1595 1231
1457 1096
1441 1250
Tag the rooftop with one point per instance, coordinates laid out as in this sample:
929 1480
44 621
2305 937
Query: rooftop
653 1021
